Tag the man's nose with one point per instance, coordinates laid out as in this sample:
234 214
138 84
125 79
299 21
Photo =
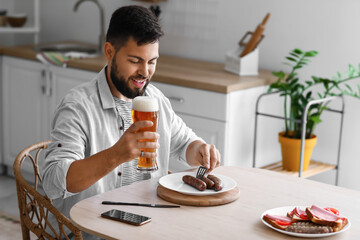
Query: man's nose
144 70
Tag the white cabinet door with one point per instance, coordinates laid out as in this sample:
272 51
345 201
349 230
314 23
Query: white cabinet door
23 105
64 79
203 111
213 132
1 120
30 93
61 81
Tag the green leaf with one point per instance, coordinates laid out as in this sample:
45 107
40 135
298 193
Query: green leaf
294 54
298 51
294 81
339 75
288 64
291 59
315 118
279 74
351 70
316 79
311 54
309 83
348 87
326 85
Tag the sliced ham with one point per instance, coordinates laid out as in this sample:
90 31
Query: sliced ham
322 214
279 218
300 213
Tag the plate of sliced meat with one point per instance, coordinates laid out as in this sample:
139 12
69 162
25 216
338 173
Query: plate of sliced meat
187 183
306 221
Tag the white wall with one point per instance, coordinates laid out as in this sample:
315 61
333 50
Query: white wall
207 29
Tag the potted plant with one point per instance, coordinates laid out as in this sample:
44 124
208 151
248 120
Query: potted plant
297 95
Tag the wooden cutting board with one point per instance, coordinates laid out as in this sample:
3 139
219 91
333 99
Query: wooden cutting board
192 200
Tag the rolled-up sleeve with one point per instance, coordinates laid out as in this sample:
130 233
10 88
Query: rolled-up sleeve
68 140
181 137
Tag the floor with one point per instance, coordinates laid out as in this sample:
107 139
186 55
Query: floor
8 197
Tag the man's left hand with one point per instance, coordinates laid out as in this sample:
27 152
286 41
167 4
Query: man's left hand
200 153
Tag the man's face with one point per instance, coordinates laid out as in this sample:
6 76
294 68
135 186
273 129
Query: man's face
132 67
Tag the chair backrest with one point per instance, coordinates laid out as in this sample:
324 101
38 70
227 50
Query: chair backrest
34 207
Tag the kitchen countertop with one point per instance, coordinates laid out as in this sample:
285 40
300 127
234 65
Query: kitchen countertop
172 70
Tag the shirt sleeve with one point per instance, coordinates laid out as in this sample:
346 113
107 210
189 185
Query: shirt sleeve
181 137
68 141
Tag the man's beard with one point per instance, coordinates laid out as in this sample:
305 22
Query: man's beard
123 86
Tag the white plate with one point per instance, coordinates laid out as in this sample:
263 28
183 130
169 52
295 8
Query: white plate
281 211
174 182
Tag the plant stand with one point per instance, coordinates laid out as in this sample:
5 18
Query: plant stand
314 167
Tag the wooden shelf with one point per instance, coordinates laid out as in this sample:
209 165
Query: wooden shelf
313 169
32 28
19 30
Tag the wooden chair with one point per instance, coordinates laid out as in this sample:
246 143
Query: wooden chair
34 207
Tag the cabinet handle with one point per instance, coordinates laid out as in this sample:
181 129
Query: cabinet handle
46 88
176 99
43 78
50 84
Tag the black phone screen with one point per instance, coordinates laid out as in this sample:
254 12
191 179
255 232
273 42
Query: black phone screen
126 217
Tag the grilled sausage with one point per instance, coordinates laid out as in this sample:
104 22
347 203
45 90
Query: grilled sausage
218 183
308 227
194 182
209 184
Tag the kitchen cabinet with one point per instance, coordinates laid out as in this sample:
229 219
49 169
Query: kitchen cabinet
31 91
223 119
203 111
2 169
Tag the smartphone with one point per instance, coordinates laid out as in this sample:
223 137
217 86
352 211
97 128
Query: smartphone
126 217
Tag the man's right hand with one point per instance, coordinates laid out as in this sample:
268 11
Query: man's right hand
129 145
83 173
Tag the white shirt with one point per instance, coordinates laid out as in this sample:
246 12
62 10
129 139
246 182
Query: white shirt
87 122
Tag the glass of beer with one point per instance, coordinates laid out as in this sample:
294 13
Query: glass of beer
146 108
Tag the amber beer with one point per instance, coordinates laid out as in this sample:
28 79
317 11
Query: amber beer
146 108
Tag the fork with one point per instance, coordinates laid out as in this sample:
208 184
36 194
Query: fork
201 172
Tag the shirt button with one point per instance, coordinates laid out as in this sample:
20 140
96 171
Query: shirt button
119 174
121 128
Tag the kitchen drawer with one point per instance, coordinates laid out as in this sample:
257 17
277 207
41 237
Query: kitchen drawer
211 105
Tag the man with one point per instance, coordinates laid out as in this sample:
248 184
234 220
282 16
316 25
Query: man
94 143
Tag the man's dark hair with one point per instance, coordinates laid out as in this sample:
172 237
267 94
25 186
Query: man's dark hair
133 21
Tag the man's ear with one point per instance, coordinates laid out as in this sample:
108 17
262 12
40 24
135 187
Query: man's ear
109 51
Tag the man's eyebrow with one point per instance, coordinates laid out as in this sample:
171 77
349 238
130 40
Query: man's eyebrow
139 58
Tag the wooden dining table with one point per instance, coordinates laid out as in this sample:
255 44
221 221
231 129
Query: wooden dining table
259 191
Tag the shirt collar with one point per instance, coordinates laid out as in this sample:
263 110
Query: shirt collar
106 97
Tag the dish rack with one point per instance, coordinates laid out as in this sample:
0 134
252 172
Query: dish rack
315 167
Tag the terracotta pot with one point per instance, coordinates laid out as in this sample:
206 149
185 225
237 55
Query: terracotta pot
290 150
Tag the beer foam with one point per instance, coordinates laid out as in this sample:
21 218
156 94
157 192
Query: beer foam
145 104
